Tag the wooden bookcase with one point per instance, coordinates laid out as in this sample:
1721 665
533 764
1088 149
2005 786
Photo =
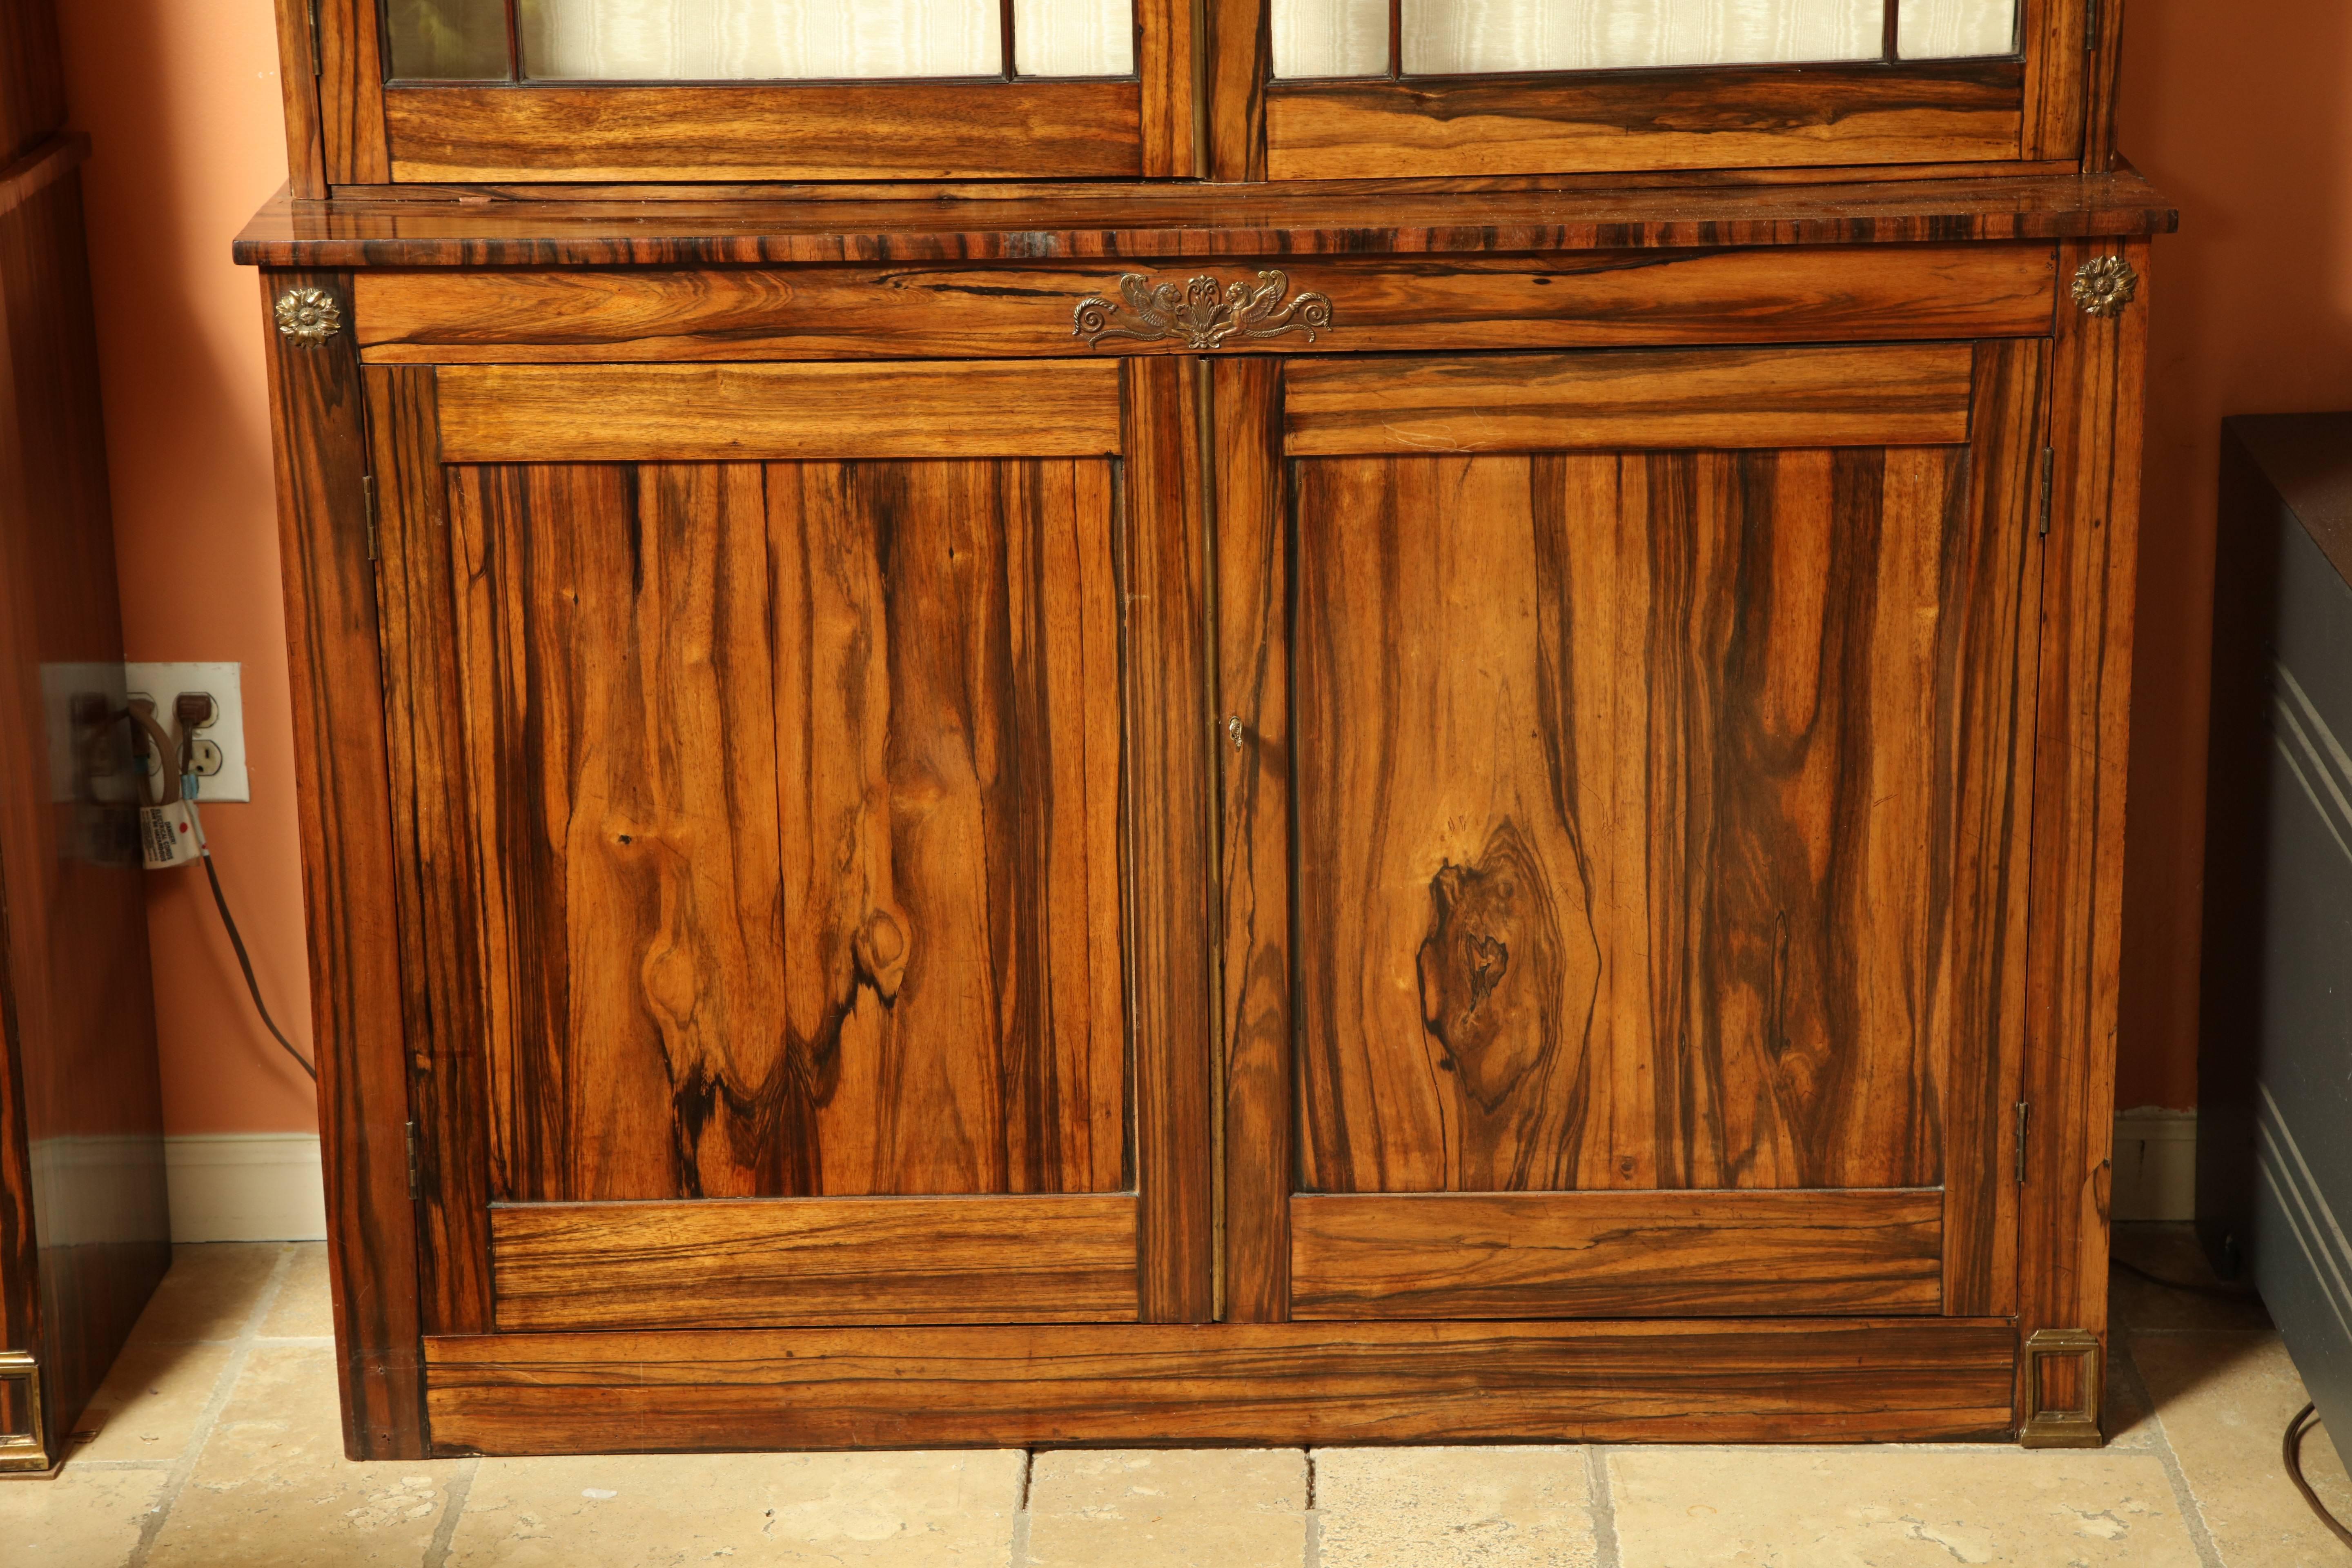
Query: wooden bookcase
1197 758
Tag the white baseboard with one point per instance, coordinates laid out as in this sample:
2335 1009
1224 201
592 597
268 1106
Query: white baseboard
245 1186
2155 1165
265 1186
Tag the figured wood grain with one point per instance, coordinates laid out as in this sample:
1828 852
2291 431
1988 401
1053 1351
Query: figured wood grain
588 414
306 148
350 878
1253 836
1240 62
806 131
1713 118
2089 576
1914 395
1173 123
435 852
1984 819
1265 1384
2057 76
795 793
1166 826
1616 1255
1590 300
787 1261
814 225
350 93
1617 789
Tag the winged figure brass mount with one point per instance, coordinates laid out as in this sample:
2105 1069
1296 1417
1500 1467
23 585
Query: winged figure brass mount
1200 312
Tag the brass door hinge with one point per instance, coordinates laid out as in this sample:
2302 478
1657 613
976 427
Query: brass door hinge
318 54
2069 1426
415 1186
367 486
29 1449
2024 1119
2091 27
2049 484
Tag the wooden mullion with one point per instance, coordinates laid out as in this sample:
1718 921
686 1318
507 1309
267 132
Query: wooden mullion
1396 40
350 887
1166 826
1010 64
1890 42
1169 61
1253 850
514 42
1240 62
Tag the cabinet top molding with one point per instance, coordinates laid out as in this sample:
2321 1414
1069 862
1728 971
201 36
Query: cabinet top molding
1195 223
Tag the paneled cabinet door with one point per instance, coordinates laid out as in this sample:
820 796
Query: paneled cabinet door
766 838
1624 828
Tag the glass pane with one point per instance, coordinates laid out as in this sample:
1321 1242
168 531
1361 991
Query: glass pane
1442 37
1955 29
1074 37
447 40
1330 38
733 40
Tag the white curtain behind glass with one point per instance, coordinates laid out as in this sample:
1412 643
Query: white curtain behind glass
731 40
1444 36
1955 29
1350 37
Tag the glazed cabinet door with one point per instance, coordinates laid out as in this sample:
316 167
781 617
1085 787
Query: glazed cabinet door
1623 830
767 835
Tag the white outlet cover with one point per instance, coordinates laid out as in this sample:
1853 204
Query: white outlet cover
225 684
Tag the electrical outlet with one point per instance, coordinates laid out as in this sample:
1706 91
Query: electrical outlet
219 749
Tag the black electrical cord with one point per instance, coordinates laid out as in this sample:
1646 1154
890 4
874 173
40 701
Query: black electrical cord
2224 1292
220 901
2291 1451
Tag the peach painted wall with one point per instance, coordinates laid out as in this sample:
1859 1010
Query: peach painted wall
2241 112
180 100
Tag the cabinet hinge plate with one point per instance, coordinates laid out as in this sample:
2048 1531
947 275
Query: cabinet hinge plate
318 54
367 486
29 1449
2091 27
415 1188
2049 484
2024 1121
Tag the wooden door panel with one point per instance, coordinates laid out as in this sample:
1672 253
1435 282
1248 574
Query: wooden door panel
1615 866
797 793
1615 1255
786 1261
1846 396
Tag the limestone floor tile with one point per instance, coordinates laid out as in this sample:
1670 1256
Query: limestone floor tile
2171 1252
149 1406
210 1292
83 1519
860 1511
270 1488
1895 1507
2224 1400
1212 1507
303 1310
1454 1507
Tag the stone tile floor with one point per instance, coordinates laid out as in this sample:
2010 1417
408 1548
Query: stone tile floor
220 1445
